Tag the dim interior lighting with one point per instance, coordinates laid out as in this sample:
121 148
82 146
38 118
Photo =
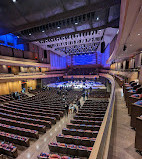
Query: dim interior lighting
30 34
97 18
28 155
37 147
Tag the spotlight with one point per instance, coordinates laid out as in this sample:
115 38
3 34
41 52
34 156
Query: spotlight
97 18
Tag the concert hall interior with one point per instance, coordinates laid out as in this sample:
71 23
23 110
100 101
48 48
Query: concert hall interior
71 79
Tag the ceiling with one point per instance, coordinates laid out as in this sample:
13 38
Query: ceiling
37 21
130 31
82 43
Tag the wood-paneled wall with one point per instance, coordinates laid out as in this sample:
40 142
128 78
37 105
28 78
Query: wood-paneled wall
3 69
15 69
9 87
32 83
44 69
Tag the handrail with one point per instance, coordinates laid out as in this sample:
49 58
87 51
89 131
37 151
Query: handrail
101 145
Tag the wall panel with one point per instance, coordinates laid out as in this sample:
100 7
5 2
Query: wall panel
3 69
18 53
15 69
32 83
6 51
4 89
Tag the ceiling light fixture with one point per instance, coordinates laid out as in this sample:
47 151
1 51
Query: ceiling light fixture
14 1
30 34
43 31
97 18
58 27
75 23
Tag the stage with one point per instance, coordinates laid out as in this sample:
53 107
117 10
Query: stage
78 85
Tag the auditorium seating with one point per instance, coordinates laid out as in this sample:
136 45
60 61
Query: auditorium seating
78 138
8 149
138 137
19 131
133 95
8 97
24 141
70 149
99 94
25 118
52 156
136 112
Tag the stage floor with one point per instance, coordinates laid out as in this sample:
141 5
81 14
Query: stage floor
78 85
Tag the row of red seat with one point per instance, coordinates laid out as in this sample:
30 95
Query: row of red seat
25 118
76 140
70 149
8 149
21 140
81 133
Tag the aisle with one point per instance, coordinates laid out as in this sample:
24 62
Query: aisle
122 141
41 145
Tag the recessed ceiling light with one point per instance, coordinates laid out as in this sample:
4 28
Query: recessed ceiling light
97 18
30 34
14 1
139 34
